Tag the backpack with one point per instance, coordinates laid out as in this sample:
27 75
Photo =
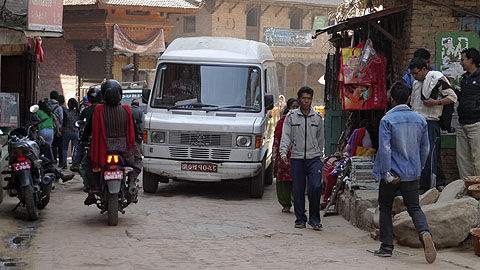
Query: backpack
445 121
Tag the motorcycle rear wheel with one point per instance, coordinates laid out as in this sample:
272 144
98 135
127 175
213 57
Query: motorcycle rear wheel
112 208
32 211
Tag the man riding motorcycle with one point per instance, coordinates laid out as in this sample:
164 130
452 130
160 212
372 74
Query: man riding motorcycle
112 129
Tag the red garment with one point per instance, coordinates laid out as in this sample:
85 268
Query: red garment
358 140
331 181
99 139
39 50
283 170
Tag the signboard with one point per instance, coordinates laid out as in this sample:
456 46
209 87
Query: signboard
287 37
319 22
449 47
9 109
45 15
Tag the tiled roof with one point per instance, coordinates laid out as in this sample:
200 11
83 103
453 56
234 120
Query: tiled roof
142 3
316 2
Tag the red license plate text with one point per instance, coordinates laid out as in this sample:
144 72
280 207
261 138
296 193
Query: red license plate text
198 167
113 175
24 165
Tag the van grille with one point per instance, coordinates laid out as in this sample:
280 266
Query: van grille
200 139
199 153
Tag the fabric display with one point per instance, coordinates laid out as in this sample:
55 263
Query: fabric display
362 77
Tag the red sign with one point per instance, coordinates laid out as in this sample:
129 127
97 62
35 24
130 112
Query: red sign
198 167
45 15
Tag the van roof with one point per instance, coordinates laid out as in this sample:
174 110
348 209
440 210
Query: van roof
218 49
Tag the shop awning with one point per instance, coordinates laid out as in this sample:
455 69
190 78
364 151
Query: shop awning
353 22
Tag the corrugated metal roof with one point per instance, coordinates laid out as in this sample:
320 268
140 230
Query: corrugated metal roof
142 3
316 2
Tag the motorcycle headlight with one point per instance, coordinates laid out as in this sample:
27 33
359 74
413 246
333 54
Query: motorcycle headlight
158 137
244 141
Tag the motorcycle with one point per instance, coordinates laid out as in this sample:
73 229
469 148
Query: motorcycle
114 194
27 179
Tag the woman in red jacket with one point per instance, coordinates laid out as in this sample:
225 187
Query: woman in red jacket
282 169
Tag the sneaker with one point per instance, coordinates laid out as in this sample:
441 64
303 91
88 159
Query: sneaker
90 199
299 225
317 227
429 247
67 177
75 167
382 253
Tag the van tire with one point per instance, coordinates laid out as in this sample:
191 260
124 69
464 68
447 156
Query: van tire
150 182
257 184
269 175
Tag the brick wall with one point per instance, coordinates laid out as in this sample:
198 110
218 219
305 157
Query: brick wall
449 164
58 71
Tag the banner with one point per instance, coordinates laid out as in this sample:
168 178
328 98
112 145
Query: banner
287 37
123 43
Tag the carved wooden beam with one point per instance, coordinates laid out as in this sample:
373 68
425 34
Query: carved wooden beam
233 7
278 12
264 10
217 6
383 31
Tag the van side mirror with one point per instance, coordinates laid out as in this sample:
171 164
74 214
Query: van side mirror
268 102
145 95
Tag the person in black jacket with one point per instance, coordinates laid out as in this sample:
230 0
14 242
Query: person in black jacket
468 128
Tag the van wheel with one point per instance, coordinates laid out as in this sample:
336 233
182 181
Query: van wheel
257 185
269 175
150 182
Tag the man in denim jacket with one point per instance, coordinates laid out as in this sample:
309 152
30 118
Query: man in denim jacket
402 152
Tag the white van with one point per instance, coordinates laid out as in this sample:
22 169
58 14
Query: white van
211 113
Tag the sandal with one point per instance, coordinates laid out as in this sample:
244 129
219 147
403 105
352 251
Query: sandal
286 209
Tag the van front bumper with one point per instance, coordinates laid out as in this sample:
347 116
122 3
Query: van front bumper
225 170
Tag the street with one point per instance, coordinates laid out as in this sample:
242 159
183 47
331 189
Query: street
184 226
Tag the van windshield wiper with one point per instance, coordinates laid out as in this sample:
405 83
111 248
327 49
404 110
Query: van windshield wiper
230 107
193 105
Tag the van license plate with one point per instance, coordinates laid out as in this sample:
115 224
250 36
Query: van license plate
113 175
24 165
199 167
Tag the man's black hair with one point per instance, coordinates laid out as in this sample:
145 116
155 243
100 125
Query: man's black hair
61 99
472 53
54 95
422 53
417 62
400 92
306 90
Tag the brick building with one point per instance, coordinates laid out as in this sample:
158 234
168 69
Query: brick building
397 29
284 25
87 54
23 23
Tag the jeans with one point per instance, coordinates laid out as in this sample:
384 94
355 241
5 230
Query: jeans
432 174
78 153
66 138
386 194
468 149
47 134
300 170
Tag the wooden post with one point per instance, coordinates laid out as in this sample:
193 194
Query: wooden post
135 67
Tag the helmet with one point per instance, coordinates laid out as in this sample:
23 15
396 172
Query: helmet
94 95
112 92
85 99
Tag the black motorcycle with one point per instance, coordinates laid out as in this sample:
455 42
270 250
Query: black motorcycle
114 193
28 179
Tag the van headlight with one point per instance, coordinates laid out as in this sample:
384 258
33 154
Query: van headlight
244 141
158 136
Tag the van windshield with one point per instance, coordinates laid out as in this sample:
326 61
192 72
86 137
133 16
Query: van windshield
208 87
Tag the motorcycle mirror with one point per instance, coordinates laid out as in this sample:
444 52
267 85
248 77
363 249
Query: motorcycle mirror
34 108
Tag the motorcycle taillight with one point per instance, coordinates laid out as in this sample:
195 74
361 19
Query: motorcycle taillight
112 159
19 152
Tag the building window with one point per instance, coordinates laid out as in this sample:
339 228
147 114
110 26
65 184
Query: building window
296 20
252 19
189 24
